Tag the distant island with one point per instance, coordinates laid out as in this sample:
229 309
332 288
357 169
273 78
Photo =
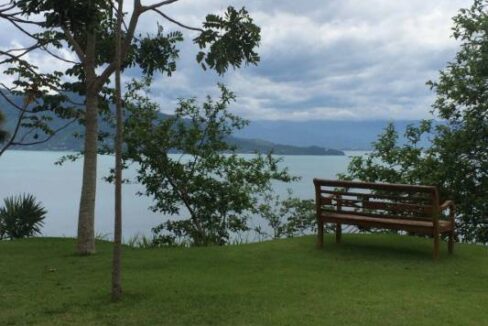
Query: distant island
65 141
245 145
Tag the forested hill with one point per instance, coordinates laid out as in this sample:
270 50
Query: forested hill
65 141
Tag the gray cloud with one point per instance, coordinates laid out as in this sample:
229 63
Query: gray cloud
336 59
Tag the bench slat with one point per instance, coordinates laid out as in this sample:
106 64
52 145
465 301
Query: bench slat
375 186
390 223
376 215
399 207
414 199
392 207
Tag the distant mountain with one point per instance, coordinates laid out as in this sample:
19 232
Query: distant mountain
344 135
65 141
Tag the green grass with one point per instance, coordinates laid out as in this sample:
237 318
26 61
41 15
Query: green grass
368 279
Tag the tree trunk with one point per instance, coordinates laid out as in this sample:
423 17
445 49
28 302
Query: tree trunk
117 250
3 133
86 217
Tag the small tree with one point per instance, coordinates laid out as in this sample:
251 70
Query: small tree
209 188
457 159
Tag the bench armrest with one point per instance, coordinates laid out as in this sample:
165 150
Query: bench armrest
449 204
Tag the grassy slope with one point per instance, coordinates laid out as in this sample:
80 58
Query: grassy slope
380 279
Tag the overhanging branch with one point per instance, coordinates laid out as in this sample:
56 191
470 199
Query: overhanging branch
45 140
79 51
176 22
157 5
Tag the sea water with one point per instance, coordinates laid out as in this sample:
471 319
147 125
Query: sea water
58 188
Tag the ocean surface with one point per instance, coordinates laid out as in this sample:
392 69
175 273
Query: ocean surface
58 188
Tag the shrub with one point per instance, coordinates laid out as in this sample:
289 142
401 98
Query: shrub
287 217
22 216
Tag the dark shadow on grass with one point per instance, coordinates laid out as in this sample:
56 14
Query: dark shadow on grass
130 297
379 248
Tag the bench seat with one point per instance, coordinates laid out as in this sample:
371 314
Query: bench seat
411 225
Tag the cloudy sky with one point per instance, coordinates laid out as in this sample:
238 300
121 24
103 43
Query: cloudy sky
320 59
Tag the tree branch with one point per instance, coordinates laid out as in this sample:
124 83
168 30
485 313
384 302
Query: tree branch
54 132
116 10
20 28
126 45
74 44
16 130
58 57
176 22
16 57
9 101
157 5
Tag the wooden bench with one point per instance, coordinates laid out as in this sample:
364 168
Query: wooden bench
410 208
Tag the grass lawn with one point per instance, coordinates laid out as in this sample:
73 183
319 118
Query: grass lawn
368 279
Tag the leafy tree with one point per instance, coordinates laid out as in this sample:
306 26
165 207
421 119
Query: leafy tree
209 188
88 27
457 159
21 217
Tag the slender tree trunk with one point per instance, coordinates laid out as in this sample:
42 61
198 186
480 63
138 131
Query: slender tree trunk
86 217
117 250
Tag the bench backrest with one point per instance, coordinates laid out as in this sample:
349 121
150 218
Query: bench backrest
377 199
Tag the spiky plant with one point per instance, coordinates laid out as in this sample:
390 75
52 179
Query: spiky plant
22 216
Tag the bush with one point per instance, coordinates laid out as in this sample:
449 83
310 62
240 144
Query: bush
289 217
22 216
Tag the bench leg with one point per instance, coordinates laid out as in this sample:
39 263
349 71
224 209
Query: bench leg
436 245
338 232
320 234
450 243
